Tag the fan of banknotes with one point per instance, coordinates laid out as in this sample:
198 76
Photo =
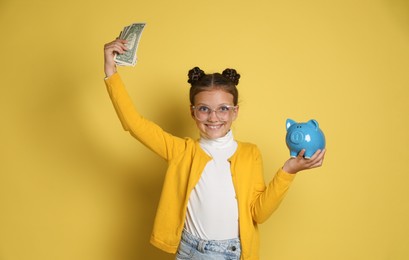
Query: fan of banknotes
132 34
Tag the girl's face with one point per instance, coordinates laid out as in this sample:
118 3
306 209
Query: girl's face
221 113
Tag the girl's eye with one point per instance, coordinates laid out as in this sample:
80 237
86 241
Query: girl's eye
203 109
224 108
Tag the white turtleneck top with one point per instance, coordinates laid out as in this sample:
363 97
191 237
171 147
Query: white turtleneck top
212 211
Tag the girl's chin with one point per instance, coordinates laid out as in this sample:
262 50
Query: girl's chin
213 134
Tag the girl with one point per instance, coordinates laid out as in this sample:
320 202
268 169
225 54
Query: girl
214 194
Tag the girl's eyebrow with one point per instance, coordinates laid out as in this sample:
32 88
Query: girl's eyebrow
222 104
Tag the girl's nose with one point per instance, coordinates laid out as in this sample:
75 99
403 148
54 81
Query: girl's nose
212 116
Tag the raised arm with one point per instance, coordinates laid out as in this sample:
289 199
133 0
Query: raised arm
147 132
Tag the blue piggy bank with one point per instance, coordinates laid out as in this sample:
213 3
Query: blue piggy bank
306 136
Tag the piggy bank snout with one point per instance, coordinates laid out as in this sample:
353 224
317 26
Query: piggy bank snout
297 137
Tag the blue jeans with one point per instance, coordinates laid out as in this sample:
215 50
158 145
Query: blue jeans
194 248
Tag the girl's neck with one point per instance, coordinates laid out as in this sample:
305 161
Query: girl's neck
220 142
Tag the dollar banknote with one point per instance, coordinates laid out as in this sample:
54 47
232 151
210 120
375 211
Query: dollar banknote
132 34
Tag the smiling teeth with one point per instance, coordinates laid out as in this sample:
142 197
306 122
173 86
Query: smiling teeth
214 126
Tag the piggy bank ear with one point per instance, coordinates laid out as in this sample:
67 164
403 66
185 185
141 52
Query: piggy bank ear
314 123
289 123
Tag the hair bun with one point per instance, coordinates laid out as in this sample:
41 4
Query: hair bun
232 75
195 75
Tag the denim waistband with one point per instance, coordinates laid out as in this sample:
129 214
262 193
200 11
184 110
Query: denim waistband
231 246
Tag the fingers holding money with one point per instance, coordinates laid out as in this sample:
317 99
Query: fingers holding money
132 34
122 51
117 46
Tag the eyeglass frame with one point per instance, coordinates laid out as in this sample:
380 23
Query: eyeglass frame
211 110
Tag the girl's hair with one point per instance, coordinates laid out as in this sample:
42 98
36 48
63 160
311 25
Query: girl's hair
200 81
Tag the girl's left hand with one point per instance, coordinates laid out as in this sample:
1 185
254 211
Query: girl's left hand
299 163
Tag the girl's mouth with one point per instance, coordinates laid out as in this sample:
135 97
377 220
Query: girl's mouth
214 127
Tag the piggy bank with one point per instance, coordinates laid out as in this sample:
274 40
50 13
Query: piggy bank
306 136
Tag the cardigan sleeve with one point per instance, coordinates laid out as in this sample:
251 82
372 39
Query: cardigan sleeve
268 198
147 132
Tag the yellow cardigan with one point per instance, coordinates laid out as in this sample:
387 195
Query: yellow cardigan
186 161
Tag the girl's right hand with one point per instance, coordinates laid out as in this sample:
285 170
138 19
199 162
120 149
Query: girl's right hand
110 49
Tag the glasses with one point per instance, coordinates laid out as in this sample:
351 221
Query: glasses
202 113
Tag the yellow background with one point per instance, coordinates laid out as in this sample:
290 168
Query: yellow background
73 185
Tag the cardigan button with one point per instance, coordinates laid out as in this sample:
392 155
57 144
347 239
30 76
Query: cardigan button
233 248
